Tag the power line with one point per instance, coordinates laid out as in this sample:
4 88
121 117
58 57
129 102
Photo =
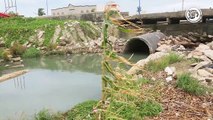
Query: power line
139 7
182 5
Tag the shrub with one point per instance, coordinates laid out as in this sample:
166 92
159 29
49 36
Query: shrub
162 63
190 85
17 49
5 55
43 115
51 46
1 53
31 52
47 115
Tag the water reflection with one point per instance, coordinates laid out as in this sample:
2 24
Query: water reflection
86 63
19 82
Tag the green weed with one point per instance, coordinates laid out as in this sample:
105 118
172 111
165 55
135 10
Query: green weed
82 111
162 63
43 115
31 53
47 115
1 52
190 85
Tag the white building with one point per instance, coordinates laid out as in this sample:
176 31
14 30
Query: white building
73 10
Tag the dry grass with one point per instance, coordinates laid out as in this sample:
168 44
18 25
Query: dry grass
179 105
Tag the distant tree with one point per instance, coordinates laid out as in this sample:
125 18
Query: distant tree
41 12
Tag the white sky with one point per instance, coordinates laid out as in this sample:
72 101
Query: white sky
30 7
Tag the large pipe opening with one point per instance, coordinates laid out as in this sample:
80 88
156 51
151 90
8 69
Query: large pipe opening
144 44
136 46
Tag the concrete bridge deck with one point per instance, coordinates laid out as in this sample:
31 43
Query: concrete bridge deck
168 17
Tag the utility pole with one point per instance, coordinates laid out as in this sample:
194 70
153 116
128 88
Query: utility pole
47 6
16 7
139 7
182 5
5 5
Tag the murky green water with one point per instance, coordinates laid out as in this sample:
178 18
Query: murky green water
56 83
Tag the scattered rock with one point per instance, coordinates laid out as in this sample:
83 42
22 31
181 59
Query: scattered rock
194 64
7 65
210 45
202 48
9 56
178 48
2 43
170 70
194 54
40 34
209 54
164 48
209 70
56 34
43 48
18 63
112 39
29 45
17 66
169 79
62 43
201 65
17 59
209 80
204 73
1 60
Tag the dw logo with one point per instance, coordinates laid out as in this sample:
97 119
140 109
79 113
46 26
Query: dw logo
193 15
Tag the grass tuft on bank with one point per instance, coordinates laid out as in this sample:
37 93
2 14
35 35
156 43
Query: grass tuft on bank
162 63
82 111
47 115
190 85
31 53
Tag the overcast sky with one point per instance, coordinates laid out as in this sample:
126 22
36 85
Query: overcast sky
30 7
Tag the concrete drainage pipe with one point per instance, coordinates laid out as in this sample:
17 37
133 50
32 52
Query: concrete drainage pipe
144 44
